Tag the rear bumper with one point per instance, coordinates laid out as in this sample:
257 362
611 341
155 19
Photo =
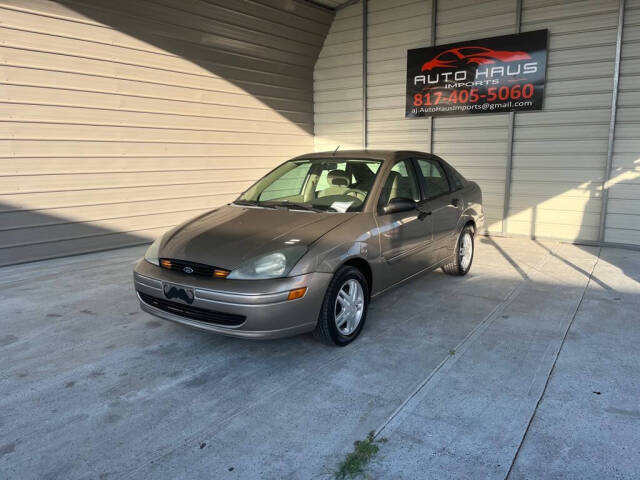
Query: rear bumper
480 222
263 303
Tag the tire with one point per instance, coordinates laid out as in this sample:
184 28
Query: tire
461 265
347 279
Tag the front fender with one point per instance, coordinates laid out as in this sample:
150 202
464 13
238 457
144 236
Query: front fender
341 254
357 238
329 260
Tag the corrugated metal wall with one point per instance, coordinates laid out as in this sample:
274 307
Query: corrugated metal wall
476 144
559 154
623 212
120 119
393 27
337 83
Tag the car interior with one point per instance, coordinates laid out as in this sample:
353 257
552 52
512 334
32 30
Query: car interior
324 184
343 185
401 183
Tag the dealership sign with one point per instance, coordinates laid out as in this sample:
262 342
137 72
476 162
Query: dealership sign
498 74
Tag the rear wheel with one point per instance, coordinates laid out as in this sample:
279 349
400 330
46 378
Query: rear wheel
463 255
344 309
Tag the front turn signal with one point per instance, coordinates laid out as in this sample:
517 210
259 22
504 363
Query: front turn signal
297 293
220 273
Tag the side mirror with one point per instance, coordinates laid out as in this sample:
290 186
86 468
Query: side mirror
399 205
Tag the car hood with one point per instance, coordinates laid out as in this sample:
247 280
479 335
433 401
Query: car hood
230 235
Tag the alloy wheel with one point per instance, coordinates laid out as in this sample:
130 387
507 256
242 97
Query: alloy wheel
349 307
466 250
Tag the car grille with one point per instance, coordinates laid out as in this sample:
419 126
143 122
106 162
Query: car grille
198 268
194 313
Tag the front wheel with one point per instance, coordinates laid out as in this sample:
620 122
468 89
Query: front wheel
463 254
344 309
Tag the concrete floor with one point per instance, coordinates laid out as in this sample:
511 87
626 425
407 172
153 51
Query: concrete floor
529 367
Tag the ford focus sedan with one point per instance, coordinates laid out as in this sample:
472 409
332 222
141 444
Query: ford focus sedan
309 245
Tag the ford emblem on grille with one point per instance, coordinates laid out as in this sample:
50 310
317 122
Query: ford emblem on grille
187 270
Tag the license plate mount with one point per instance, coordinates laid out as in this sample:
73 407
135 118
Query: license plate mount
178 293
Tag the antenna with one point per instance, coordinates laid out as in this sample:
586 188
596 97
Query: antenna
334 152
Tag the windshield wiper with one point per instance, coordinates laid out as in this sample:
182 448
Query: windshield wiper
295 206
251 203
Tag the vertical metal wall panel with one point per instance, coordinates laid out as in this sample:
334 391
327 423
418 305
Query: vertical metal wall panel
623 206
120 119
388 40
559 153
365 38
337 83
432 42
476 145
510 127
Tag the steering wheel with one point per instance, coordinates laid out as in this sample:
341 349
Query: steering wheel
359 194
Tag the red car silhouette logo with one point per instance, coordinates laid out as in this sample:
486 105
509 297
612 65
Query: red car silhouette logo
469 55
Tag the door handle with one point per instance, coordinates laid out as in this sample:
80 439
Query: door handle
455 202
422 214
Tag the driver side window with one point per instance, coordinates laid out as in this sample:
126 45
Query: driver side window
401 183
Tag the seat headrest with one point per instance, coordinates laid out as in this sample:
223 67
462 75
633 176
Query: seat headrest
338 178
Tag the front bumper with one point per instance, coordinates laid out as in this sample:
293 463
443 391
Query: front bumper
263 303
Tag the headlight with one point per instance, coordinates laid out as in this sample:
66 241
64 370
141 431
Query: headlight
151 254
274 265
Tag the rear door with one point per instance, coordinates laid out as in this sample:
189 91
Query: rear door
405 237
445 204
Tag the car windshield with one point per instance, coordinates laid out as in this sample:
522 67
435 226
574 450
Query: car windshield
334 185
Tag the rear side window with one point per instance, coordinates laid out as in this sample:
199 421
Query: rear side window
434 178
455 179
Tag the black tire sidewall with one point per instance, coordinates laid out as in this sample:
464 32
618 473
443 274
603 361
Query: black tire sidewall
342 275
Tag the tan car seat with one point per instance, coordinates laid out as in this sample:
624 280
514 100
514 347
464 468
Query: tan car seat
339 182
397 186
390 189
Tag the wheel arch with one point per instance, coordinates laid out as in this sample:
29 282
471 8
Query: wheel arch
471 223
468 217
364 267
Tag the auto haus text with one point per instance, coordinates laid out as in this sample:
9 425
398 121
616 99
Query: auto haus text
483 76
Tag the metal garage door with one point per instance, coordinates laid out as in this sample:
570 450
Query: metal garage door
120 119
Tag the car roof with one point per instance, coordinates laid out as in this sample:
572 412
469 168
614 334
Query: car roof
383 155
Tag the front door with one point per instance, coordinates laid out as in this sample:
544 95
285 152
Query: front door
405 237
445 204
